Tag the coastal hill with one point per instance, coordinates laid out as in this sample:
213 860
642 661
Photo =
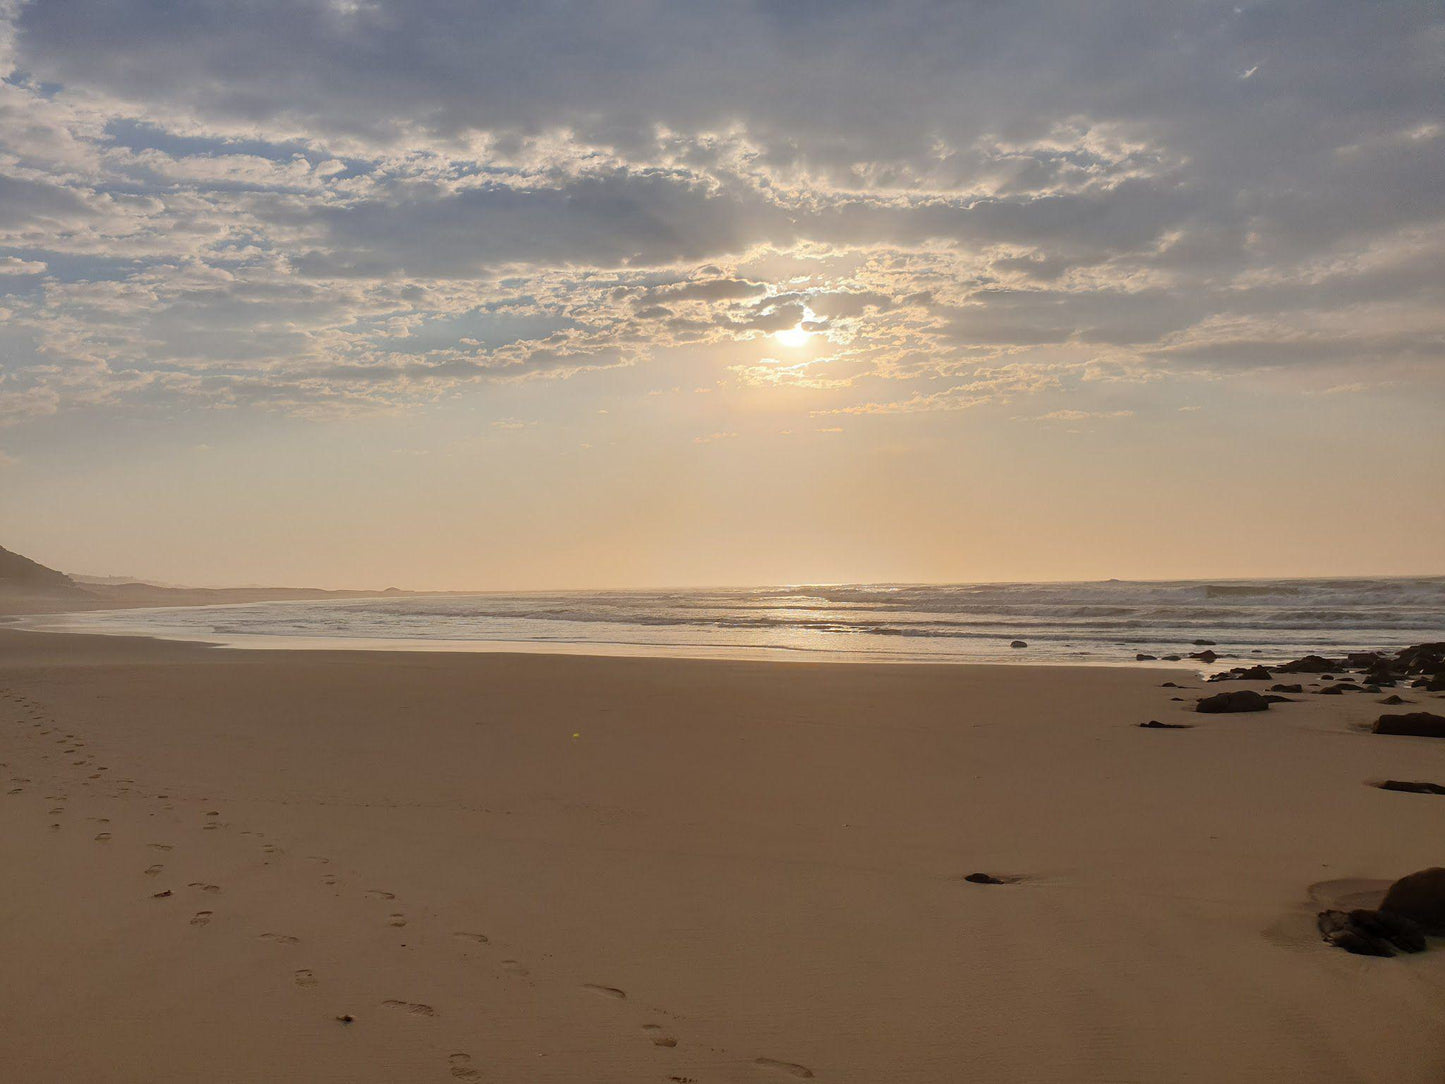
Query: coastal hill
28 587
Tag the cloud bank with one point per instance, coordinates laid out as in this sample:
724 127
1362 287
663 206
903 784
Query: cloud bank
360 205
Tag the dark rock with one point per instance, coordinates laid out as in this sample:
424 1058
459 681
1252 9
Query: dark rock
1394 698
1337 929
1399 930
1436 684
1363 660
1155 724
1373 689
1286 688
1331 690
1419 897
1310 664
1170 658
1420 724
1411 788
1254 673
984 879
1348 687
1168 685
1141 657
1018 643
1241 700
1272 698
1204 656
1180 699
1202 643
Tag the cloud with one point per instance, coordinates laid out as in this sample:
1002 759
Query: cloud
328 207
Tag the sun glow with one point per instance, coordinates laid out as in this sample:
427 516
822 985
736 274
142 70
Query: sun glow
793 336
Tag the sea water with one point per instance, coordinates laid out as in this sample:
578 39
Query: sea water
1101 622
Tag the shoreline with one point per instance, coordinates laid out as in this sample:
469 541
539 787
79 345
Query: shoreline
553 867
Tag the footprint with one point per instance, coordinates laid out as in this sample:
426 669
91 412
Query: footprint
151 871
479 938
461 1065
659 1037
516 967
605 991
415 1008
204 887
280 938
304 977
103 837
378 894
201 918
160 846
790 1067
396 920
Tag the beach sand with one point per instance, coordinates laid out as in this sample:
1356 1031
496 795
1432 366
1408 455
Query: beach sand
516 868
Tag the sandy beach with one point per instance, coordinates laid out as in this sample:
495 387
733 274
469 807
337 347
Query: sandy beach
561 868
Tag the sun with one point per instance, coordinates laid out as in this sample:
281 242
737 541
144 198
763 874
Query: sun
793 336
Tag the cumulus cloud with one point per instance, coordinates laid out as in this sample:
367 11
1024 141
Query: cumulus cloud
335 207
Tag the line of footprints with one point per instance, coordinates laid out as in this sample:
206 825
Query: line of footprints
462 1066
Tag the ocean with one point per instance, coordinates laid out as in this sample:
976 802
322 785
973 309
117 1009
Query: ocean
1107 622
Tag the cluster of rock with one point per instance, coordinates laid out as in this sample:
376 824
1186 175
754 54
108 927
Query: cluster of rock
1413 908
1421 666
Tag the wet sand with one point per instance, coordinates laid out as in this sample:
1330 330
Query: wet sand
559 868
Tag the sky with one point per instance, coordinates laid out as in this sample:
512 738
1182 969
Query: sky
445 294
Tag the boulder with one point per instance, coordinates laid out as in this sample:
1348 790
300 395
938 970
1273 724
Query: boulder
1170 658
1141 657
1370 933
1336 929
1419 897
1310 664
1286 688
1240 700
1394 699
1419 724
1202 643
1204 656
1274 698
984 879
1254 673
1018 643
1155 724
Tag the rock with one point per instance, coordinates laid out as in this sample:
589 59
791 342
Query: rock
1179 699
1394 699
1254 673
1202 643
1399 930
1336 929
1168 685
1373 689
1155 724
1436 684
1348 687
1420 724
1141 657
1170 658
1018 643
1274 699
1286 688
1310 664
984 879
1411 788
1242 700
1204 656
1419 897
1331 690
